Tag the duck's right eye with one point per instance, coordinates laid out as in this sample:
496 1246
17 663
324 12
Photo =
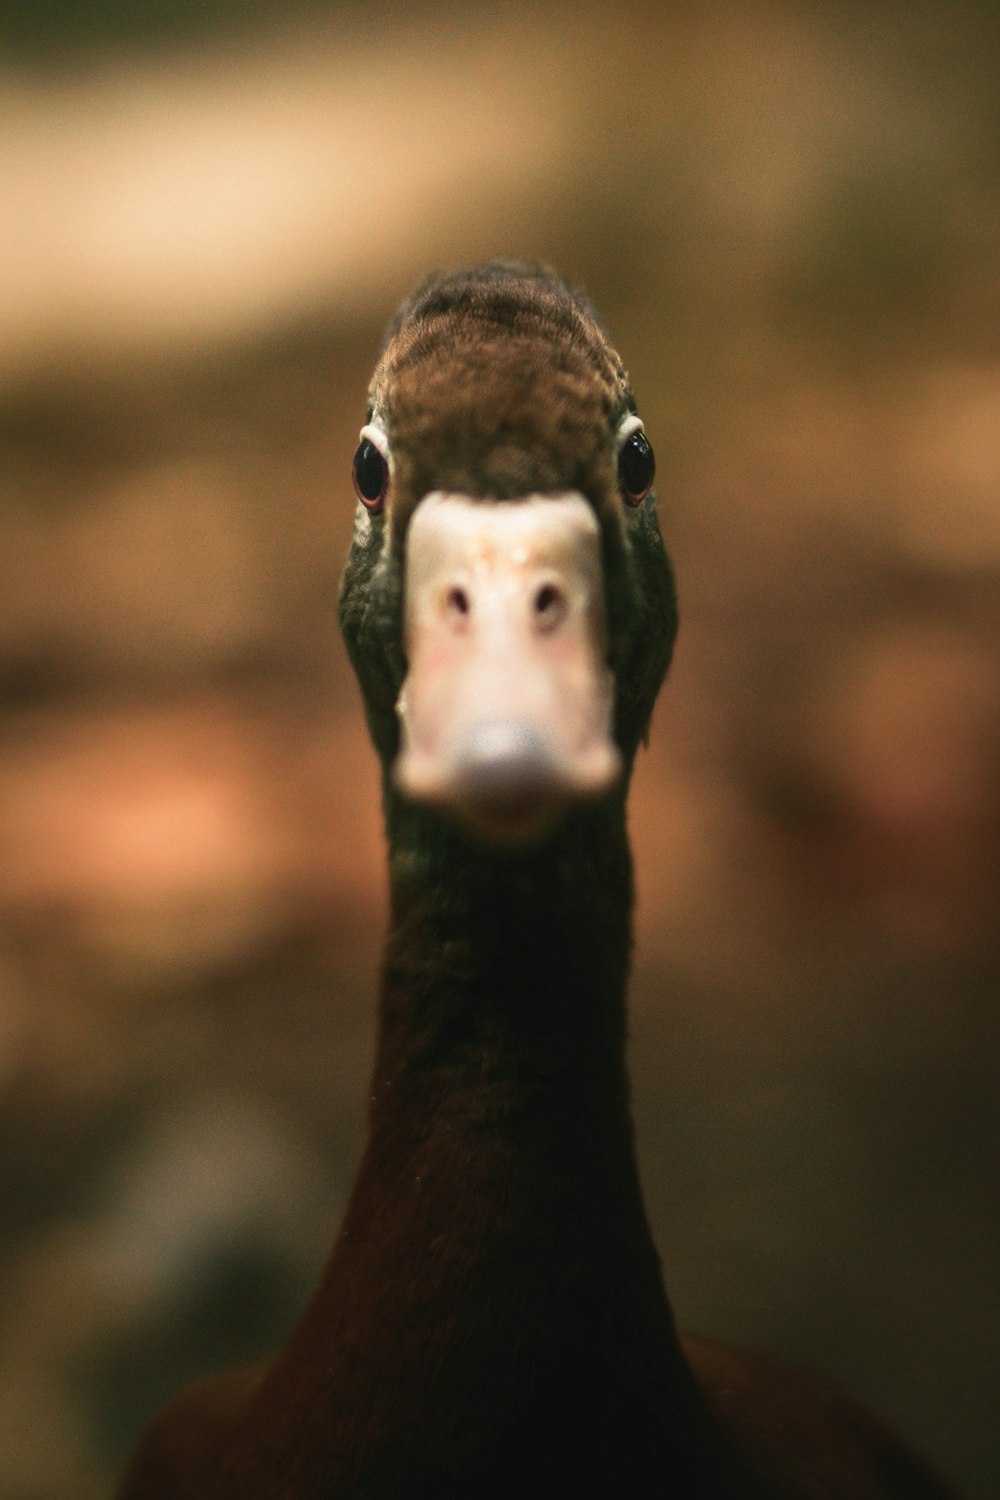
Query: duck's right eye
371 475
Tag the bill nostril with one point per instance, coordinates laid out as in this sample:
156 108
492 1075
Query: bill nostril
457 605
549 607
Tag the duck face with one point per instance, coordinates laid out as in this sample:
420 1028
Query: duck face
507 602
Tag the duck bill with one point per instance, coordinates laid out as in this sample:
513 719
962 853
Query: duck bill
506 709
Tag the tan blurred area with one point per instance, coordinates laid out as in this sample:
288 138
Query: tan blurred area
790 219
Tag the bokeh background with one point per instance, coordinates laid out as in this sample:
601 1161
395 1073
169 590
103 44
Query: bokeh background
790 217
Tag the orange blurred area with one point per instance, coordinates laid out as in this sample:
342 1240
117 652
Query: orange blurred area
790 219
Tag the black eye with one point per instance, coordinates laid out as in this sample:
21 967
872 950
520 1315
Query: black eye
636 467
370 474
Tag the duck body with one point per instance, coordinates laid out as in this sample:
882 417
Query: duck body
493 1319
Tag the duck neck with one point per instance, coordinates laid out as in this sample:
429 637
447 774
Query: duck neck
500 1084
494 1306
498 1210
505 973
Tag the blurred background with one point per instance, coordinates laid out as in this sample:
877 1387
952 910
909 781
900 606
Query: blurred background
790 218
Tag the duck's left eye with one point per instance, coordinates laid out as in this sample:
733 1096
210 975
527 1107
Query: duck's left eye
371 475
636 468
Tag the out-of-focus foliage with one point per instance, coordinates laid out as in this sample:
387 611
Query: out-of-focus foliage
63 30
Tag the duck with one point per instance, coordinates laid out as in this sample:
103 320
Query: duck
493 1318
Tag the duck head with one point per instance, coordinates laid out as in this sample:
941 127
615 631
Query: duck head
507 603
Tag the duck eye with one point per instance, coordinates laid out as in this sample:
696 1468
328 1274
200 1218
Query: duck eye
636 468
371 475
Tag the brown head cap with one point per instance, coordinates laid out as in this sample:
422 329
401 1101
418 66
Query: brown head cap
549 389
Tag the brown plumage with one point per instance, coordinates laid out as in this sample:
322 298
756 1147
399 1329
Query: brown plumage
493 1320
